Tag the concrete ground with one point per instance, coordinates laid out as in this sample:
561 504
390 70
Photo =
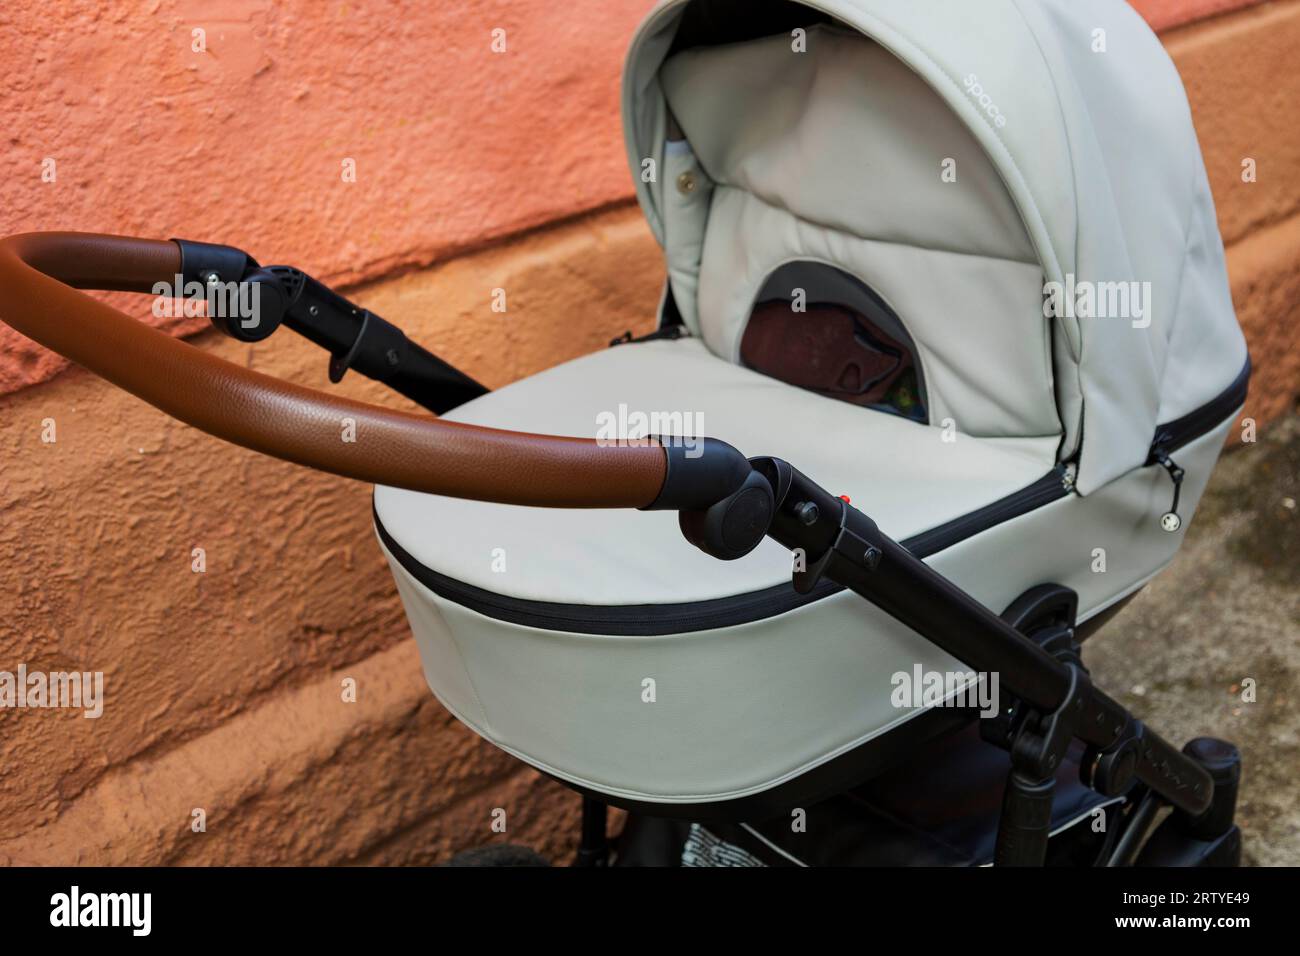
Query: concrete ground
1227 612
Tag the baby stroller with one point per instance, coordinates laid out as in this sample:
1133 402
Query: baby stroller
952 269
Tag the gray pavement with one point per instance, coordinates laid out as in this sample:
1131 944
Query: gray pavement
1226 611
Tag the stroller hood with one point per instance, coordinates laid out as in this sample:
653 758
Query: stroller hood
1083 118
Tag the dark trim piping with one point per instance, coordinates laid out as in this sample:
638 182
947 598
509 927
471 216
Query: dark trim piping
648 620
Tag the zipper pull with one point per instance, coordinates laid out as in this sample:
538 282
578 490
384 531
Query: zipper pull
1069 473
1170 521
667 332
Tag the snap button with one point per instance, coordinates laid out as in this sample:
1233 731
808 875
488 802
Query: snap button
686 183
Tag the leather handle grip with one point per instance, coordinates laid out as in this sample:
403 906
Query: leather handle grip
302 425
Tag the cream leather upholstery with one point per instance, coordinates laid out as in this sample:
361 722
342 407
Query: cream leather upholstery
906 475
737 708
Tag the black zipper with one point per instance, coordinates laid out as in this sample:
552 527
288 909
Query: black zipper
1182 431
1053 486
657 619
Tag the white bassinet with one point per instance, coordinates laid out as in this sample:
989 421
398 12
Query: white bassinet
954 160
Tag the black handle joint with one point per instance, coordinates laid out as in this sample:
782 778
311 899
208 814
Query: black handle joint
244 300
725 507
201 261
700 473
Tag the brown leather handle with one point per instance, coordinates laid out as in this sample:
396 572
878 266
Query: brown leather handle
302 425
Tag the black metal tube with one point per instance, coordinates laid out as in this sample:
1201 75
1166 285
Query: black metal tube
1139 823
908 589
429 381
911 591
361 340
844 545
1026 821
593 846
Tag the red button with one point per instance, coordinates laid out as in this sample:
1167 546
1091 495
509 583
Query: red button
845 499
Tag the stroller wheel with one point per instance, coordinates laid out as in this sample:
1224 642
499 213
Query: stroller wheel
499 854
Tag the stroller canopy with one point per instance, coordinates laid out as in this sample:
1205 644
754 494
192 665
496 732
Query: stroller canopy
1083 291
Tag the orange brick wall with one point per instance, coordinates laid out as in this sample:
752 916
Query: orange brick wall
1165 14
475 170
454 145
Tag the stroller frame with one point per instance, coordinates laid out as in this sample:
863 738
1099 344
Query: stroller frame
727 504
1047 698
